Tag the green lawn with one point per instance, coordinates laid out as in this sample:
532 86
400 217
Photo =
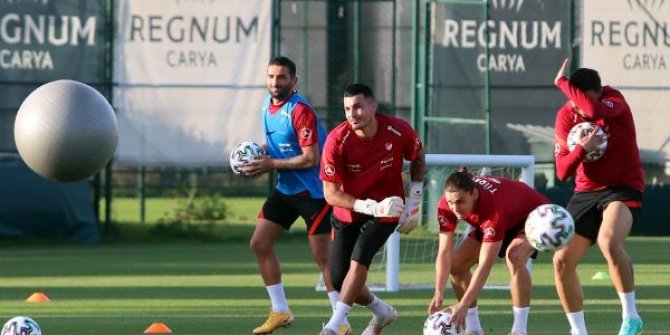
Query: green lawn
240 210
213 288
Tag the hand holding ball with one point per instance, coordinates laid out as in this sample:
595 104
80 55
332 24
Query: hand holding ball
66 131
582 129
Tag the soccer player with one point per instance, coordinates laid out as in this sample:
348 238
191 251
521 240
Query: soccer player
361 172
608 192
496 209
294 139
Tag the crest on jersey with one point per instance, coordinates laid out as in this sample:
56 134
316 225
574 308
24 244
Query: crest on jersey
306 132
389 146
329 170
489 233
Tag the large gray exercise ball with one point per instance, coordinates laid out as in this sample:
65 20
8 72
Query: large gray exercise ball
66 131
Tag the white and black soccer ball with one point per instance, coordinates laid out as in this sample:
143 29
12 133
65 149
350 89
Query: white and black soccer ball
580 130
549 227
243 154
438 324
21 325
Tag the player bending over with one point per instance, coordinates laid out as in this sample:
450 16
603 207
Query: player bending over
496 209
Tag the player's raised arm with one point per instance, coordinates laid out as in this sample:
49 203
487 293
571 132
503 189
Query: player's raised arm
585 90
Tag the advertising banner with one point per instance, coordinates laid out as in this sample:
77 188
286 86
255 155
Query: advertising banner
189 78
46 40
505 63
628 42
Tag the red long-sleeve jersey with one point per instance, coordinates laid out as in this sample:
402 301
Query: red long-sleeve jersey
620 164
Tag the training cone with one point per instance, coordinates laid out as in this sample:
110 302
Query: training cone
38 297
601 275
158 328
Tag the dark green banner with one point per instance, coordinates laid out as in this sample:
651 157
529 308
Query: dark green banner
45 40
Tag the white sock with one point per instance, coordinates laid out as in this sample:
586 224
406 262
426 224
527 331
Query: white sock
334 297
378 307
340 313
520 325
472 320
628 309
577 323
278 298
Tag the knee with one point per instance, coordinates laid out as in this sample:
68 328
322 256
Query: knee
515 264
259 246
609 248
320 256
459 268
562 265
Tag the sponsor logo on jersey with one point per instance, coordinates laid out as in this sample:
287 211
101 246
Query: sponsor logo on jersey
608 103
489 233
393 130
306 132
355 168
417 143
329 170
386 163
557 149
442 219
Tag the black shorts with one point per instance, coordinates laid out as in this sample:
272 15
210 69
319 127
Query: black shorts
511 234
358 241
587 208
284 210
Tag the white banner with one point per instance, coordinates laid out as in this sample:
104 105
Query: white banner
190 78
628 42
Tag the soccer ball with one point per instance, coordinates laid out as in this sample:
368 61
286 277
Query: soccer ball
438 324
21 325
243 154
579 131
549 227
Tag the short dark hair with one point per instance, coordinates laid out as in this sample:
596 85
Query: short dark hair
586 79
460 180
358 88
285 62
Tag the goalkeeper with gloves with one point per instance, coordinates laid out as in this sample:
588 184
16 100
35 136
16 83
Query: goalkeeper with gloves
361 171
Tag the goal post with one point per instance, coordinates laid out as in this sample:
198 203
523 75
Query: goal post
523 168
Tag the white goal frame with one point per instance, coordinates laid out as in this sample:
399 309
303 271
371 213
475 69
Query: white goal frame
525 162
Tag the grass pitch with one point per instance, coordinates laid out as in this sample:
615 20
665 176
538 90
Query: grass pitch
214 288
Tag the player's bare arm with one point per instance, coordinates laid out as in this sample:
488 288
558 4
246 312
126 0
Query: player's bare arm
442 269
336 197
417 167
561 71
308 159
487 257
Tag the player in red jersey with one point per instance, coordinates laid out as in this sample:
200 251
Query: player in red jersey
496 210
608 192
361 172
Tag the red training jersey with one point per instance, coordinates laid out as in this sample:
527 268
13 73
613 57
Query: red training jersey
502 205
369 168
304 122
620 164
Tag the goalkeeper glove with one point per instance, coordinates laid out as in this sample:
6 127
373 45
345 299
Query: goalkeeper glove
390 207
410 216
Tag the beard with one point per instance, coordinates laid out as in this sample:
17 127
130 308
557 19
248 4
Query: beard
282 93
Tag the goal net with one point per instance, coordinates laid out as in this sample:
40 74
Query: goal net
407 261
